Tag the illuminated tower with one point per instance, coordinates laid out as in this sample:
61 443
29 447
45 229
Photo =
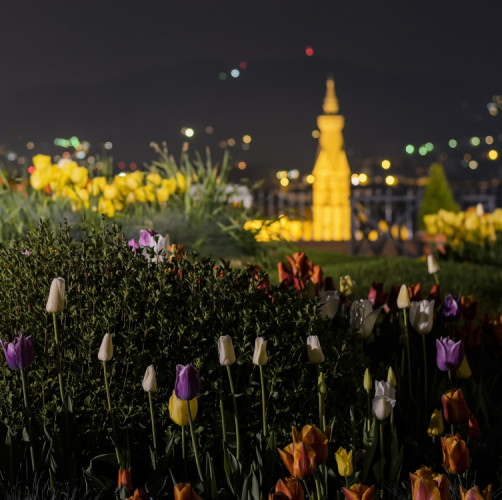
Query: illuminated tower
331 188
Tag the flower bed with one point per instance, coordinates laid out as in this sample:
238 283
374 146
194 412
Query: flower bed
102 358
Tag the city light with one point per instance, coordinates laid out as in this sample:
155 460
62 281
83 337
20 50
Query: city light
284 181
281 174
385 164
235 73
493 154
246 139
475 141
363 178
189 132
293 174
108 145
410 149
316 134
452 143
241 165
310 179
489 139
354 179
473 164
429 146
309 51
222 76
422 151
390 180
231 142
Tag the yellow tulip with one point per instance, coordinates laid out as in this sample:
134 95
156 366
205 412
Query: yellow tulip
97 185
169 185
436 426
130 199
41 161
154 179
344 462
79 176
178 409
140 194
106 207
182 182
40 178
163 195
110 192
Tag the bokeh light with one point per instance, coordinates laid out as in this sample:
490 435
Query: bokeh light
309 51
231 142
30 145
354 179
235 73
390 180
222 75
475 141
246 139
363 178
281 174
493 154
209 130
422 150
489 139
316 134
293 174
108 145
310 179
452 143
284 182
385 164
410 149
241 165
243 65
189 132
473 164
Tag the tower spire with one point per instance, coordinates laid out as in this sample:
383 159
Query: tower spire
330 105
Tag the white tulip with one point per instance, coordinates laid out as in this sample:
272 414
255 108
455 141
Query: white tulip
314 350
403 299
329 301
149 380
260 357
106 350
422 315
432 264
55 302
226 350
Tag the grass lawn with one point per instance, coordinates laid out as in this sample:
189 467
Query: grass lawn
482 281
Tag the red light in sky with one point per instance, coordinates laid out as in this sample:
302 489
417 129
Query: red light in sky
121 165
31 169
133 166
309 50
243 65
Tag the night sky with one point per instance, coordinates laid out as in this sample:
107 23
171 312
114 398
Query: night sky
132 72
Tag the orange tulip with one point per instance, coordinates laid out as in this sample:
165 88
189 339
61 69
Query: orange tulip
475 494
289 488
455 408
125 478
184 491
139 494
299 459
316 439
359 492
426 485
455 454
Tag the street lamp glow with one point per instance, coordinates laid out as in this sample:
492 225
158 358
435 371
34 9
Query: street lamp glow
422 150
363 178
385 164
493 154
284 181
410 149
310 179
452 143
189 132
390 180
354 179
475 141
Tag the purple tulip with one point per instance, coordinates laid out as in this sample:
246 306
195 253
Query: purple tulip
450 354
19 353
451 307
187 382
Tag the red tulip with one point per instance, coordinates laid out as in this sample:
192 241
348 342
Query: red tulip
289 488
455 409
316 439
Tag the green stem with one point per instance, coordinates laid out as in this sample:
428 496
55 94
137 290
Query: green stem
436 279
58 354
381 458
425 372
306 489
263 403
222 413
154 437
368 426
114 430
236 416
194 443
318 488
407 350
28 424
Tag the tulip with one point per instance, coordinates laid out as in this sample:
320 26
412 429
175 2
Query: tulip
299 459
451 307
260 351
329 302
125 479
289 488
432 264
188 383
363 317
427 485
226 350
346 285
149 380
403 299
344 462
455 454
359 492
449 353
391 377
475 494
421 316
455 408
315 439
106 350
314 350
146 237
178 409
367 382
384 399
473 430
55 302
184 491
436 425
464 370
139 494
20 353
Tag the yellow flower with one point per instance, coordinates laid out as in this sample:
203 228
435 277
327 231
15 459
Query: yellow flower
130 198
134 180
163 195
106 207
346 285
154 179
464 370
140 194
40 178
41 161
436 426
97 185
110 192
178 409
344 462
182 182
79 176
367 382
169 185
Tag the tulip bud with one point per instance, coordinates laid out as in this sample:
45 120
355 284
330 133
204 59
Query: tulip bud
432 264
188 383
260 351
346 285
367 382
321 384
106 350
344 462
391 378
226 350
185 491
55 302
314 350
150 380
403 299
464 370
436 425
